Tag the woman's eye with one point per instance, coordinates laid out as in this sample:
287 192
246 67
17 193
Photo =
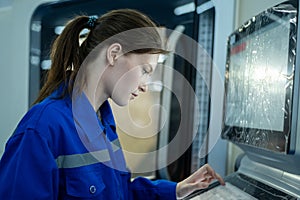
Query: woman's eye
144 71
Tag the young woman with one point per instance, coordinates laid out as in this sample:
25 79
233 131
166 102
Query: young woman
66 146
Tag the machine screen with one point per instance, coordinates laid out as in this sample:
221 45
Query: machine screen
259 84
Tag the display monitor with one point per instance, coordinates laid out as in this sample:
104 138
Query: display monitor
261 83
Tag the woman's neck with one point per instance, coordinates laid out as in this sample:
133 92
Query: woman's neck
94 86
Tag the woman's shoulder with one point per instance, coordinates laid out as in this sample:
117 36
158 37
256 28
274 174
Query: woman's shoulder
49 121
49 112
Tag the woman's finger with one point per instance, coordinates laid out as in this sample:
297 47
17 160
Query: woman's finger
220 179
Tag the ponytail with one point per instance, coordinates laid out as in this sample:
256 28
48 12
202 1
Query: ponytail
65 58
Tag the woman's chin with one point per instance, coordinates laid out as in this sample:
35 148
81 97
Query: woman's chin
122 103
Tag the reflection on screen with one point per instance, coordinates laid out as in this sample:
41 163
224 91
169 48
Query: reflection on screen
227 192
259 85
256 90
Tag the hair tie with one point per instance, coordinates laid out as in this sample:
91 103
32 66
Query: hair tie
91 22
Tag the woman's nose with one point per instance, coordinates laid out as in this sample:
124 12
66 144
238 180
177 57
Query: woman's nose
143 88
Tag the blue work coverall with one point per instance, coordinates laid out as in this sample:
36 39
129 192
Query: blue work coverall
62 150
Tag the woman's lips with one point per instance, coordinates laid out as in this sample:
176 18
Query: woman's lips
134 94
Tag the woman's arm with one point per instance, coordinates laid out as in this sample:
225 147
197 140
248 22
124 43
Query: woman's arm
28 169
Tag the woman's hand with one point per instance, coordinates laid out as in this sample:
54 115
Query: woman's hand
198 180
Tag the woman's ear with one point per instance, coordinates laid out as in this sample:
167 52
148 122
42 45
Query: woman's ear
113 52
